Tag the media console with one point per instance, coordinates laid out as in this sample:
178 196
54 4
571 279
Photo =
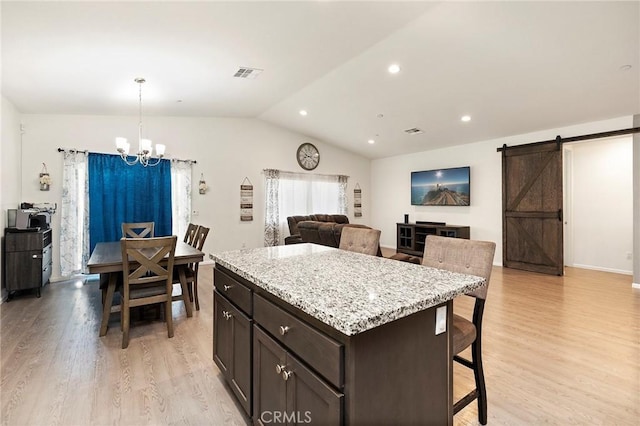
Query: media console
411 236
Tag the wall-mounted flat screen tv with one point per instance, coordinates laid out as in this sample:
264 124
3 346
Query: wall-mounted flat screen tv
442 187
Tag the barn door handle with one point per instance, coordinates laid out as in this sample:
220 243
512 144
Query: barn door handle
560 215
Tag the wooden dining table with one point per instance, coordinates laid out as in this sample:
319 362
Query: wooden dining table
106 258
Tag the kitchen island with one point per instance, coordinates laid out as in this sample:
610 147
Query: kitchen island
307 333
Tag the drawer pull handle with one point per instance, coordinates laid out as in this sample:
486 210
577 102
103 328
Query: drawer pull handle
226 315
286 375
280 368
284 329
35 256
226 287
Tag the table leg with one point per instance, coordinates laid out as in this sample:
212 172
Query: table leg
185 290
106 307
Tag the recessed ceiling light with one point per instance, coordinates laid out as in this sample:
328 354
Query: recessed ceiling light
303 112
394 68
371 141
466 118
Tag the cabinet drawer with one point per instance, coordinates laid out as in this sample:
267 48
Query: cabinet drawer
237 293
46 272
46 255
322 353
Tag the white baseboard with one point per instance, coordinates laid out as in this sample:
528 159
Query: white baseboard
599 268
636 285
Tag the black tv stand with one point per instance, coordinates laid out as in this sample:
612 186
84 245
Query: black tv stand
411 236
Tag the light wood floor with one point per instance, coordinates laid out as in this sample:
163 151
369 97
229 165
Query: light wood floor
558 350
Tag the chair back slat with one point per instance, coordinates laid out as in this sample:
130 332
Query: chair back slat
138 230
149 254
191 233
201 236
460 255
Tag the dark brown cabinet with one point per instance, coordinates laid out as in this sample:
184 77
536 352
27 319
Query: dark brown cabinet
232 348
28 261
287 367
411 236
288 392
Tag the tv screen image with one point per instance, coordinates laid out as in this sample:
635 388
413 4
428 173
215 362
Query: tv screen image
442 187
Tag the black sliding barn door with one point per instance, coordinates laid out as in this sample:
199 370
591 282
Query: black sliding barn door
532 208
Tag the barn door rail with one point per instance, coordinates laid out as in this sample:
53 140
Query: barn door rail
558 140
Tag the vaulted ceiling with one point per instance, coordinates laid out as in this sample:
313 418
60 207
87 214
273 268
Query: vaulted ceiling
513 67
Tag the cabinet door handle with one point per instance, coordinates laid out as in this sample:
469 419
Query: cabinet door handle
226 287
286 374
284 329
280 368
35 256
226 315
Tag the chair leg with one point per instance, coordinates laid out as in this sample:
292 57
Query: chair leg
169 317
478 372
124 306
195 291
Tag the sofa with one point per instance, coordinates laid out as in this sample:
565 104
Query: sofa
325 233
293 221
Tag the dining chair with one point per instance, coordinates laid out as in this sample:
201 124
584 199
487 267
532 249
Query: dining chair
360 240
191 270
191 233
146 279
138 230
475 258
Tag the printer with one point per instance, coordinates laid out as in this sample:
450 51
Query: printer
29 219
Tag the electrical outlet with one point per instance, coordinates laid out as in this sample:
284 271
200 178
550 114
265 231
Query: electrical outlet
244 245
629 255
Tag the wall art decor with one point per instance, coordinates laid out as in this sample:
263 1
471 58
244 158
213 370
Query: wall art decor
45 179
202 185
357 201
246 200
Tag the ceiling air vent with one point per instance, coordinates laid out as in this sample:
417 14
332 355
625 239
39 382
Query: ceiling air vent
245 72
414 131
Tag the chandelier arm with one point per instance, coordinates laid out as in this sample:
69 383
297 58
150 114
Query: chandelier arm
130 163
147 163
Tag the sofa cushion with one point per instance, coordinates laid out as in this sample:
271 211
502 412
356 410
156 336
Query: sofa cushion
293 221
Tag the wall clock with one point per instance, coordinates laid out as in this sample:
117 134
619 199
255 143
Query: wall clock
308 156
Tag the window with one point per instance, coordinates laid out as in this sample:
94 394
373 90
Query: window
291 194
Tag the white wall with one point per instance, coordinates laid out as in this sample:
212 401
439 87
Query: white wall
227 150
601 196
390 183
9 165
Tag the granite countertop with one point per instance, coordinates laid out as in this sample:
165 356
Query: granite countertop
350 292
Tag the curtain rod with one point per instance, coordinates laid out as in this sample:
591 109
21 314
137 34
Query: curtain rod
86 151
560 140
303 173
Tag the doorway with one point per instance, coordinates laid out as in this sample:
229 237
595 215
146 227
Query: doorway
598 204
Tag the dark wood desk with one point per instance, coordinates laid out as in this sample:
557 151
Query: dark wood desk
107 259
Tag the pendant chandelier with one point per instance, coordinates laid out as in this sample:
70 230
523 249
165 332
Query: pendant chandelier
145 148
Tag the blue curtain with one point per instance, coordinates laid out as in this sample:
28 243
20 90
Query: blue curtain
120 193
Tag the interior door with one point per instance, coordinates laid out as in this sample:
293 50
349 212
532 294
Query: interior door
532 208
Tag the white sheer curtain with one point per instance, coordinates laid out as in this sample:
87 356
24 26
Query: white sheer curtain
272 208
74 214
292 194
180 196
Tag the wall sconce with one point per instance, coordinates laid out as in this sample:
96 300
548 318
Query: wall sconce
202 185
45 179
